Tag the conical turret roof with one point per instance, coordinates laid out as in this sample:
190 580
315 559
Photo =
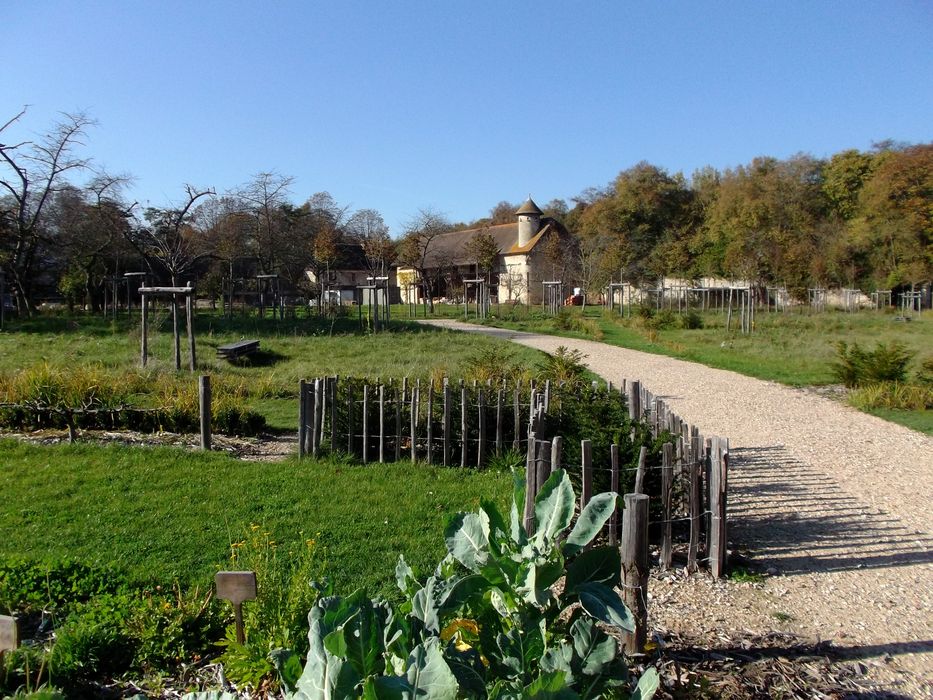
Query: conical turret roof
529 207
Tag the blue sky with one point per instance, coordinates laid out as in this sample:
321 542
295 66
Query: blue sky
458 105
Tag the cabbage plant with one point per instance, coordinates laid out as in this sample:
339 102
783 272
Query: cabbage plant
505 615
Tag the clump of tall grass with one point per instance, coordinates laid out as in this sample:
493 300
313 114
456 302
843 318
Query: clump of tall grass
893 395
44 396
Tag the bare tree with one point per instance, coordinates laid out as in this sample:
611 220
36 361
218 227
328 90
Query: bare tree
35 170
170 239
418 244
264 196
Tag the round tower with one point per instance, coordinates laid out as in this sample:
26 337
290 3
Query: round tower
529 221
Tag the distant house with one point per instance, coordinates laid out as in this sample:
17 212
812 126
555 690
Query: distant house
533 250
345 277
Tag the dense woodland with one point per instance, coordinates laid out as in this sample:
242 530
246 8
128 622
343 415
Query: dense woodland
858 219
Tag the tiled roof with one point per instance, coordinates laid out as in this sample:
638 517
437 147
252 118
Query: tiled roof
529 207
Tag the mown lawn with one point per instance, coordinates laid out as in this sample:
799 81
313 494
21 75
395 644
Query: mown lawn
164 514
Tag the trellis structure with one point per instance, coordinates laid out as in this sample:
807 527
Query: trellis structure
780 296
553 296
269 289
173 293
377 312
817 298
744 298
851 299
910 303
481 294
881 299
616 287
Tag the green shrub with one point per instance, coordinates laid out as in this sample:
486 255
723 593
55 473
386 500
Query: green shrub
691 321
278 617
496 363
925 373
563 366
173 628
856 367
93 642
29 586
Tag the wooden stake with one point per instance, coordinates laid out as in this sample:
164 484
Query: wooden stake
667 484
204 403
614 487
635 568
586 490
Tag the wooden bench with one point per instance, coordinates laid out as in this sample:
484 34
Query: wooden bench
234 350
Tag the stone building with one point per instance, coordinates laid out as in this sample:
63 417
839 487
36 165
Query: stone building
533 250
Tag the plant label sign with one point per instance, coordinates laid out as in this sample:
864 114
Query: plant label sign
9 634
236 586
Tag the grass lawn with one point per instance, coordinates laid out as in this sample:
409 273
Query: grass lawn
160 514
290 350
795 348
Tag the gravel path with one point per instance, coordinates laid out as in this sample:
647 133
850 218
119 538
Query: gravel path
835 503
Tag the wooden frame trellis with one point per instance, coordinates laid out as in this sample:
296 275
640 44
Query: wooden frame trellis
173 293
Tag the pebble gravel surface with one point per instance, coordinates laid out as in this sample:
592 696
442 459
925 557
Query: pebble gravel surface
835 505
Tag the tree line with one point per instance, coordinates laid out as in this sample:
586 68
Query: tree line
860 219
61 238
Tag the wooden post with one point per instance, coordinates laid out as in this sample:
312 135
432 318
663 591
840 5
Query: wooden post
204 402
399 399
175 336
413 428
614 487
500 428
635 568
481 409
144 350
446 423
640 474
302 418
543 467
318 415
531 486
429 420
667 485
517 414
350 417
717 543
634 401
365 423
557 452
547 395
695 503
333 413
189 313
586 456
464 426
382 422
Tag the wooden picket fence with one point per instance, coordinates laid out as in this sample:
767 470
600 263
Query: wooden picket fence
455 423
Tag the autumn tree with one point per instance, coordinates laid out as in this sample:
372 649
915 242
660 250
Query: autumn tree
484 251
367 228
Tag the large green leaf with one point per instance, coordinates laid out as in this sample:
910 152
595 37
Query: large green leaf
549 686
600 565
467 538
288 665
404 576
647 685
328 677
428 678
424 605
458 591
595 649
553 509
559 659
498 531
363 641
596 513
605 605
